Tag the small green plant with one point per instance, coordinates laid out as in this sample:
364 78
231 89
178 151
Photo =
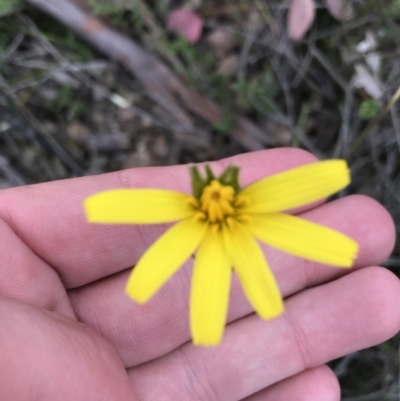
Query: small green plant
258 93
393 9
119 14
6 36
104 7
301 123
220 90
181 47
83 51
67 102
225 125
8 6
76 109
196 64
368 109
63 98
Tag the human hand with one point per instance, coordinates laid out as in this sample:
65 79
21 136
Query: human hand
69 332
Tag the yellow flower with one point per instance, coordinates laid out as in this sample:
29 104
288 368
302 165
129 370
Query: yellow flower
223 222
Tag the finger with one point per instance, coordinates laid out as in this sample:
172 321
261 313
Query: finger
24 276
313 384
49 357
162 324
320 324
50 220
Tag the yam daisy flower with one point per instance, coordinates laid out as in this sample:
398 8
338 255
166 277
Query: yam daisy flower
223 222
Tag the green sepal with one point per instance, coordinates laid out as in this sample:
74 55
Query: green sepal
229 177
198 182
209 174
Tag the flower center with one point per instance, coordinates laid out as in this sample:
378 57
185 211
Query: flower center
217 201
219 204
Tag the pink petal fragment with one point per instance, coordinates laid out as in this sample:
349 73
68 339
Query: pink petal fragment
301 16
340 9
186 23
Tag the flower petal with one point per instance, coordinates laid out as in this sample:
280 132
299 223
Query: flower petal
253 271
164 258
305 239
296 187
136 206
209 296
300 17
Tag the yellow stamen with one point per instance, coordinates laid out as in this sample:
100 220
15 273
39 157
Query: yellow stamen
217 201
192 201
220 205
200 216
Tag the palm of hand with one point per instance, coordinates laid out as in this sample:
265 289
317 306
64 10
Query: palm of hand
58 271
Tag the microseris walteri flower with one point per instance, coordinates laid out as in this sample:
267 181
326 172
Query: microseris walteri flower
220 223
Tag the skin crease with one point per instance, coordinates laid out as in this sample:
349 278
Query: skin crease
69 331
318 383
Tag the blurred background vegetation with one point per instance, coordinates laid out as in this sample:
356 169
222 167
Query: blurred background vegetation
70 106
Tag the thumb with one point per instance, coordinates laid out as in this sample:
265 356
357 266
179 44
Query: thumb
48 357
